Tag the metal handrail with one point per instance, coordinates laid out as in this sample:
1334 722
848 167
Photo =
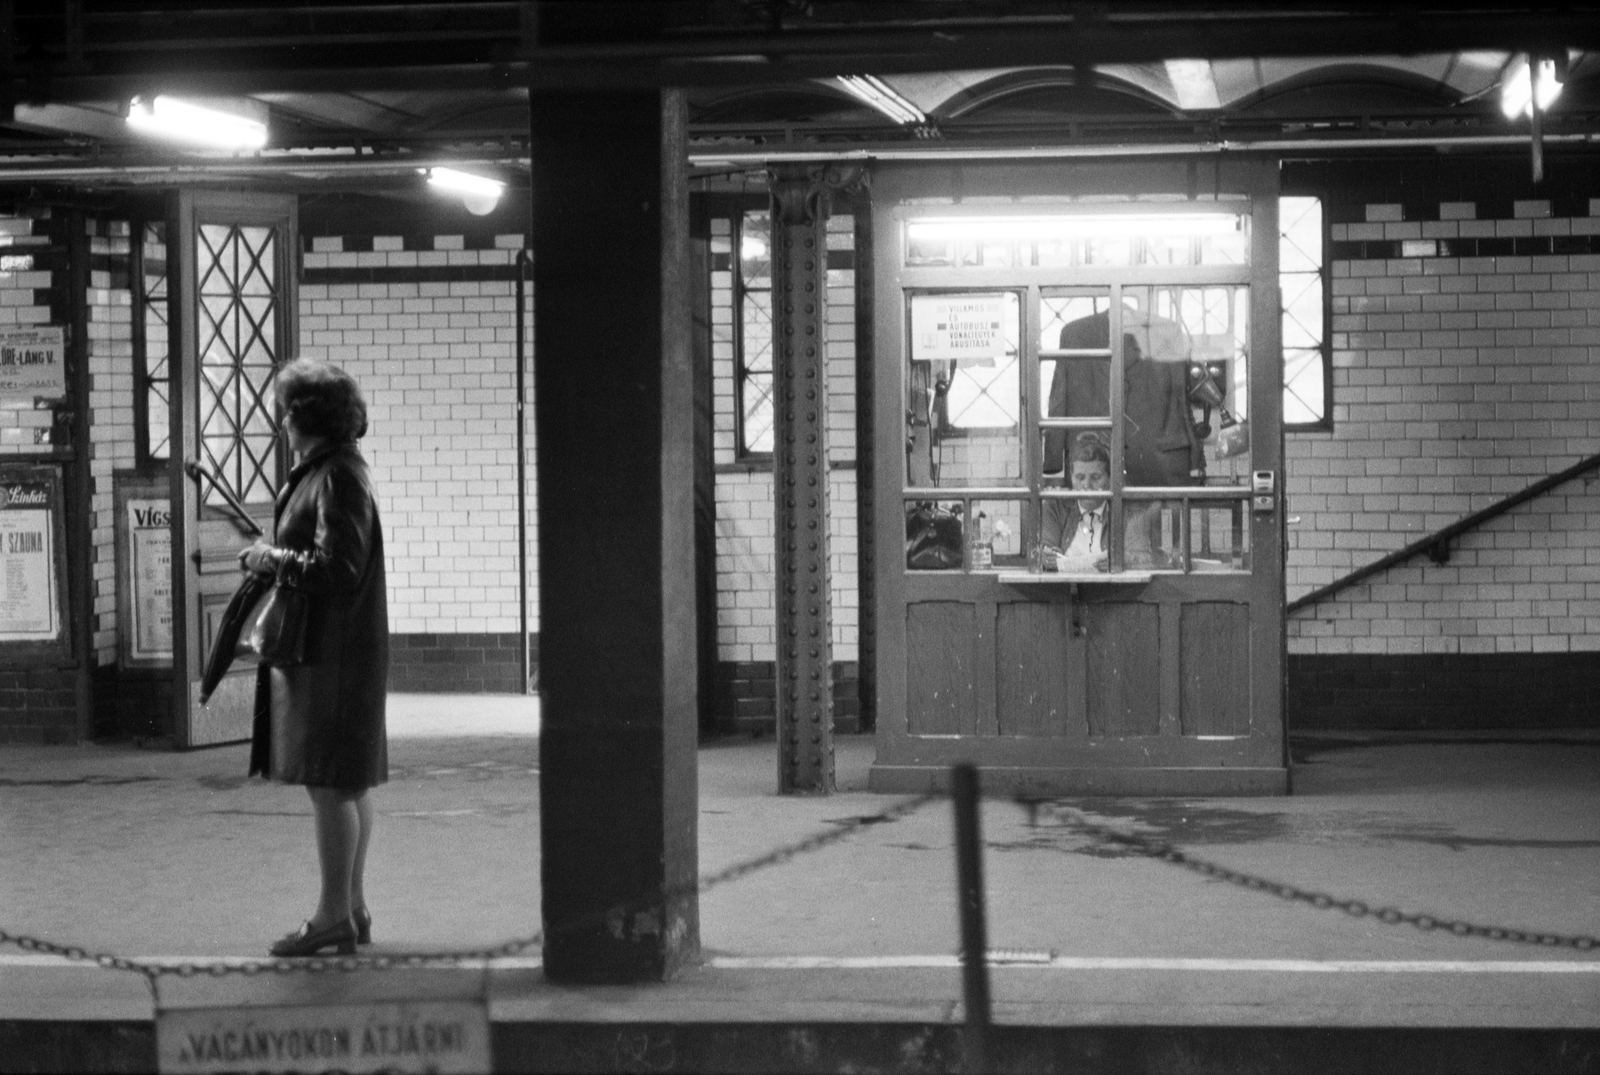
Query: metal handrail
1437 543
248 524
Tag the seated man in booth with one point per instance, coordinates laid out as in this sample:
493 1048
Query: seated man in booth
1073 532
1160 446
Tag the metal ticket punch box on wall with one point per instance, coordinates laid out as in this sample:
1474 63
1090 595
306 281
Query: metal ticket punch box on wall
1264 490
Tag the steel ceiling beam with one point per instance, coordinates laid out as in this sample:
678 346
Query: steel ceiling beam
115 51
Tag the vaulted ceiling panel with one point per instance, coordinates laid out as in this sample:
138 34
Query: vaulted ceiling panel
360 92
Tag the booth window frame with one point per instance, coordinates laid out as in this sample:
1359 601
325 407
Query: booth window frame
915 278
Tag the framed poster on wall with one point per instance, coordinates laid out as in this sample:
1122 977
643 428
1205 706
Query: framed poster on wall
144 572
32 366
33 577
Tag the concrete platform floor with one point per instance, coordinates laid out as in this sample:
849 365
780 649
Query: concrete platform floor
155 854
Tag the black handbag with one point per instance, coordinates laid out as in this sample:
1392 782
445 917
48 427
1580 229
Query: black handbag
274 631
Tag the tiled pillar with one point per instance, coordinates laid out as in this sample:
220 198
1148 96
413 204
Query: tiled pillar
614 424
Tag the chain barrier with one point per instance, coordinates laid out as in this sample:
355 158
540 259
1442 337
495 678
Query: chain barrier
153 971
1166 852
1069 816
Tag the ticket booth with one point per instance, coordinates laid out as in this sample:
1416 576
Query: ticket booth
1078 446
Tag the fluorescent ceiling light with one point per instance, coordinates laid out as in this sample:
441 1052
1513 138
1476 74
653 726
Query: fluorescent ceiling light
186 121
1099 225
1527 85
877 93
1194 84
479 194
464 182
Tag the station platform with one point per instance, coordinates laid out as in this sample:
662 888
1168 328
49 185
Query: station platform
844 958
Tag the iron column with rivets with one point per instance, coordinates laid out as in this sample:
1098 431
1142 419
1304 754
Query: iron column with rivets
800 479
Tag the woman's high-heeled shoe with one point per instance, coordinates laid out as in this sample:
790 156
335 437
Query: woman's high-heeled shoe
308 941
363 919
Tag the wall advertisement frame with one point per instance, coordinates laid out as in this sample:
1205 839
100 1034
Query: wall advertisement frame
144 572
34 615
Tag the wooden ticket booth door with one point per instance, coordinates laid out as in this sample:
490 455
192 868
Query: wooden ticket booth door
232 261
1046 322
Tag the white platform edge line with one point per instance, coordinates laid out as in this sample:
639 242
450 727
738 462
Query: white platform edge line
1079 963
1058 963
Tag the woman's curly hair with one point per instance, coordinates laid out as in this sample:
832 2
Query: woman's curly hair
323 400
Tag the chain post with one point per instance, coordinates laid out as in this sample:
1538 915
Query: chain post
974 940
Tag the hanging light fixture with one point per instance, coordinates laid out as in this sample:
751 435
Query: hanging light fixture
1530 82
883 97
479 194
1529 87
241 125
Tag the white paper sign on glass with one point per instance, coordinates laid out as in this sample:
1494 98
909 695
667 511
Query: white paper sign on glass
967 328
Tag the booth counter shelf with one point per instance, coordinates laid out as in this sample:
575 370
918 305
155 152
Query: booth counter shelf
1074 578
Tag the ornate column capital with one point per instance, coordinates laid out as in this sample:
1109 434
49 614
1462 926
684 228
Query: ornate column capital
802 193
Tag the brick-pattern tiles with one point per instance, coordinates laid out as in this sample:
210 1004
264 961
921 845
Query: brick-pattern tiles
744 697
438 365
458 663
38 705
744 497
1457 381
1329 692
111 418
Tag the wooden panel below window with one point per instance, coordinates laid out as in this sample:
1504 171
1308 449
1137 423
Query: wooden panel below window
1124 668
940 638
1031 672
1216 668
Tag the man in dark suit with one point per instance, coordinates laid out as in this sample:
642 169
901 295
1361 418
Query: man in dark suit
1159 445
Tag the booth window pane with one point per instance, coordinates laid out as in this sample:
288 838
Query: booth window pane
1219 537
984 397
964 398
1303 284
935 535
1186 349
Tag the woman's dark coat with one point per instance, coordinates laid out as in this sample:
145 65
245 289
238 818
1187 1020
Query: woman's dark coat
327 726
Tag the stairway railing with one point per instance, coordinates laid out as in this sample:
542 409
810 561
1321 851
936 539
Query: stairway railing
1437 544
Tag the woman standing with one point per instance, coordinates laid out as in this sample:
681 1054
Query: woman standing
320 723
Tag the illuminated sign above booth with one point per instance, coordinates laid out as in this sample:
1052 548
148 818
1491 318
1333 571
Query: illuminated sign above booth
1218 236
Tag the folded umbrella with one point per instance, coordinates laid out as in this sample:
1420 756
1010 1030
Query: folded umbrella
226 644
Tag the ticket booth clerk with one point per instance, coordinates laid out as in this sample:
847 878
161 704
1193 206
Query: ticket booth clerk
1078 458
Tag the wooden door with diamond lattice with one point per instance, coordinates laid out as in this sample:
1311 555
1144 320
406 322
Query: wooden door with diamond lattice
232 265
